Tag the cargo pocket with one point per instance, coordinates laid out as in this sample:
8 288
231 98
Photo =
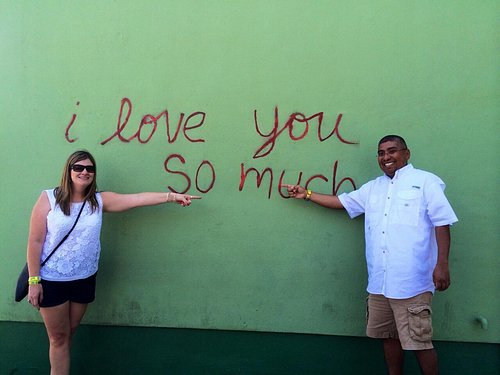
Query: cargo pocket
420 322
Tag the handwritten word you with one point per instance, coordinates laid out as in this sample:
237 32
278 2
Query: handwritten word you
294 121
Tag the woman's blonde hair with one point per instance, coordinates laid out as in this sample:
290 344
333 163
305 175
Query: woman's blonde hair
64 191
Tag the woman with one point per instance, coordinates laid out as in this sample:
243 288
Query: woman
63 287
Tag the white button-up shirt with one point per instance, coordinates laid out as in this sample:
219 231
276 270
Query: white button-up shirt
400 216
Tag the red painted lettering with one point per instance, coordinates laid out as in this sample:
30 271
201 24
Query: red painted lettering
244 174
120 126
212 181
297 117
188 180
71 122
206 163
144 136
335 186
200 123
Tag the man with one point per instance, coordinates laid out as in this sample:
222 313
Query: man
407 235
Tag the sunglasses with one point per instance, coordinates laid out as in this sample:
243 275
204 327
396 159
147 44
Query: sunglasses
80 168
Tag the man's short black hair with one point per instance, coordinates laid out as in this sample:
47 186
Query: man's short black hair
393 138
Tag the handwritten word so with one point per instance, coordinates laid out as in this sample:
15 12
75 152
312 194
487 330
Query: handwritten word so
204 165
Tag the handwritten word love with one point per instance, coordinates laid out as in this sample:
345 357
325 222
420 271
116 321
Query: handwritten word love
149 124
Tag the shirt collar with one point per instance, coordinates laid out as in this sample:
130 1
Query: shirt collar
401 171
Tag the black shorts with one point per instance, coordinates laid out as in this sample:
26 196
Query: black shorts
58 292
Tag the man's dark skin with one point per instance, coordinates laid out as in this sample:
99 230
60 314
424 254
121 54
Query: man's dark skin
392 156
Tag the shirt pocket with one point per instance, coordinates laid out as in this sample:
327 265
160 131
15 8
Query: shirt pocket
407 207
373 212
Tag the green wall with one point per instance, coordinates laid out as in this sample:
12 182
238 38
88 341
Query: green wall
244 258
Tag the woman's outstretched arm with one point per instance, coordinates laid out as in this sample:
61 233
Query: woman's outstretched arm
114 202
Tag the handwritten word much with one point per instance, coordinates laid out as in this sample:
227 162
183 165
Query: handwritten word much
294 120
288 179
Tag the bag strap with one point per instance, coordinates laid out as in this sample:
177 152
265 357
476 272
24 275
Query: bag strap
64 238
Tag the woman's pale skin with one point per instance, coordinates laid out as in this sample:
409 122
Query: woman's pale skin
59 327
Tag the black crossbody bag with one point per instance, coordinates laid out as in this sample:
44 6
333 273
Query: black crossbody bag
22 281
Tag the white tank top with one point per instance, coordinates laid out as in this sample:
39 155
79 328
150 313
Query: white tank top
78 257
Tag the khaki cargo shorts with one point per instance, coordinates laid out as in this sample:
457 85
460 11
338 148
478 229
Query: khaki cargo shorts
408 320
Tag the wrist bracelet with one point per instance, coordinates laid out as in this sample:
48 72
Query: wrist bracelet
308 194
32 280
